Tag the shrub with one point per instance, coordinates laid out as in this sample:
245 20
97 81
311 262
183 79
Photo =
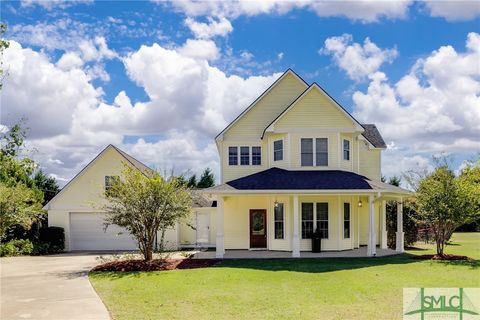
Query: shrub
53 237
16 248
410 227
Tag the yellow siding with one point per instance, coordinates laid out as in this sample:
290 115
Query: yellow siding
370 162
285 163
237 171
314 110
188 235
268 108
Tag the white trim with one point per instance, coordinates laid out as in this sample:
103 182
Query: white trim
311 130
289 150
314 150
339 148
306 192
296 229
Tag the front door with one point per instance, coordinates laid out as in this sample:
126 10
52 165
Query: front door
258 228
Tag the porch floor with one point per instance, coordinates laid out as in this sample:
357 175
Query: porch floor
264 254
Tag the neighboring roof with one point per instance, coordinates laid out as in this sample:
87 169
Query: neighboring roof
373 136
137 164
275 179
288 71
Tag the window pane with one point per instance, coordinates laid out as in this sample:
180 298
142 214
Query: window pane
346 220
322 144
322 159
322 219
232 156
306 152
256 156
322 151
346 150
279 222
278 150
307 220
244 156
279 212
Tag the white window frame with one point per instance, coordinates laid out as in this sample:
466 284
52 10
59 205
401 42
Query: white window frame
249 156
349 220
349 150
281 150
315 217
314 151
283 222
238 155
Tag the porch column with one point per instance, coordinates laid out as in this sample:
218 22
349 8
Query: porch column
371 246
383 236
400 234
296 229
220 247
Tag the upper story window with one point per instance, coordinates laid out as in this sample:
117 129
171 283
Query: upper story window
244 156
233 156
314 153
346 149
256 156
278 150
109 182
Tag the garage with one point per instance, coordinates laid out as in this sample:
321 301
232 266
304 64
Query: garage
87 233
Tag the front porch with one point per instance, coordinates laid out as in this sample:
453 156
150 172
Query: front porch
265 254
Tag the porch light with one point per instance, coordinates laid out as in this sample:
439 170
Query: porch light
360 203
275 204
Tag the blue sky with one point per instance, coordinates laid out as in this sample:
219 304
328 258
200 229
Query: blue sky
111 69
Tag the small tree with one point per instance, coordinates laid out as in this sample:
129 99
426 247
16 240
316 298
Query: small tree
206 179
144 205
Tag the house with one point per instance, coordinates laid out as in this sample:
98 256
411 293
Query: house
294 162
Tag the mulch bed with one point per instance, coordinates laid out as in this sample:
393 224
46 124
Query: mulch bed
154 265
446 257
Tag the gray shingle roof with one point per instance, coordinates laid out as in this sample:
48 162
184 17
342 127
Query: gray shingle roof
372 134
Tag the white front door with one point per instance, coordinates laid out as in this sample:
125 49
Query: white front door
203 227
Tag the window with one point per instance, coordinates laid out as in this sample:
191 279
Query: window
346 220
256 156
322 219
306 146
322 151
346 149
244 156
278 150
279 221
109 182
233 156
307 220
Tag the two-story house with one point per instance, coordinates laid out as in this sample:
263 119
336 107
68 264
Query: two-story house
294 162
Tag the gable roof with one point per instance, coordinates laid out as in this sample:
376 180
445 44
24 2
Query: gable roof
276 179
373 136
311 87
288 71
134 162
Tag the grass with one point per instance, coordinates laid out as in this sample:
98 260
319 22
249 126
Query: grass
360 288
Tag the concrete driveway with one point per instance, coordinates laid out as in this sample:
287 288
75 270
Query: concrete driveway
49 287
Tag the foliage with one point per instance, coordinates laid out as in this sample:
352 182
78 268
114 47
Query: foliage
4 44
54 237
395 181
206 179
16 248
410 226
143 205
46 184
192 181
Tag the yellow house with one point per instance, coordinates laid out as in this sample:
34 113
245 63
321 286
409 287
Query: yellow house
295 163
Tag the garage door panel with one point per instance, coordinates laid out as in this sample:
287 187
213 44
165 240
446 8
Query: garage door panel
87 233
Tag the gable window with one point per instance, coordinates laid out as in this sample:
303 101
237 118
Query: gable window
279 221
256 156
109 182
278 150
233 156
307 220
346 149
244 156
321 151
322 219
306 146
346 220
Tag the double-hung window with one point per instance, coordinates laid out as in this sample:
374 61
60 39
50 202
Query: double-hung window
322 219
306 146
256 156
244 156
279 221
278 150
346 220
307 220
314 153
346 149
321 151
233 156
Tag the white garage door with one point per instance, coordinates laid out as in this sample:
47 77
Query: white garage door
87 233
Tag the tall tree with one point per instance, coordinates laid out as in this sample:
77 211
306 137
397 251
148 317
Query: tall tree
144 205
4 44
395 181
192 181
207 179
48 185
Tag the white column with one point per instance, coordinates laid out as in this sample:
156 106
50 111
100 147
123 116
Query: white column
296 229
220 247
371 247
383 236
400 235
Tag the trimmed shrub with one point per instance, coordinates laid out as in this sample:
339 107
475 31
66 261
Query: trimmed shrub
16 248
53 237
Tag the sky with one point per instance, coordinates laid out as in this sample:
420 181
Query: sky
159 79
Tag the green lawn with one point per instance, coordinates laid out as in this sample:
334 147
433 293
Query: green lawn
362 288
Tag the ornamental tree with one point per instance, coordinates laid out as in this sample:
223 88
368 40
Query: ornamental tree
145 203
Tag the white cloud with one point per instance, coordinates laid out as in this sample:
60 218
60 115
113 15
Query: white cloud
356 60
434 108
201 49
220 27
69 60
95 50
51 4
454 10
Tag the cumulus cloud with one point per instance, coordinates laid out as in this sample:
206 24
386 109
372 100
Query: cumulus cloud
214 27
454 10
433 108
51 4
357 60
201 49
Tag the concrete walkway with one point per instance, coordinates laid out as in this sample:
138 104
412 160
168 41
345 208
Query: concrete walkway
50 287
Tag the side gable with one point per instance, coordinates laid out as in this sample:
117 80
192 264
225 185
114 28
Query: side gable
268 106
313 109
